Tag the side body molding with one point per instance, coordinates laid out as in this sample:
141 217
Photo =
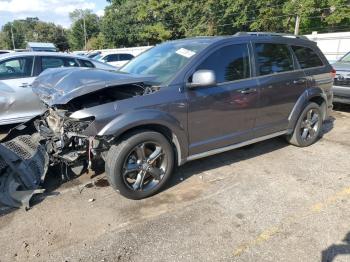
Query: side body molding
139 118
301 103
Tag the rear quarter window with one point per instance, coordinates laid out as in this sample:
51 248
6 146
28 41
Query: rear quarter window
307 57
85 63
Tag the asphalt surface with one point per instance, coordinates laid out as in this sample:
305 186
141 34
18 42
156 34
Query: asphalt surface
266 202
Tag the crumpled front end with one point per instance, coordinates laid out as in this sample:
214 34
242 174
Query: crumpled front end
80 103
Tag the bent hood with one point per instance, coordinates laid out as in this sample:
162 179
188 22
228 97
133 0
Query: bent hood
60 85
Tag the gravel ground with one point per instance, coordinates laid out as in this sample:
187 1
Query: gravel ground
266 202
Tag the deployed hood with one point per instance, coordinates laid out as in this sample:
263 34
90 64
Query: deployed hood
60 85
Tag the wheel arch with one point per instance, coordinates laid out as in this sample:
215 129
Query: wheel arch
315 95
153 120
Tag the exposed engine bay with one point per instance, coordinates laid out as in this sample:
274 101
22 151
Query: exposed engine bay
56 138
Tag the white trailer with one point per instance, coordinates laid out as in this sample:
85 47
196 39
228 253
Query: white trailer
333 45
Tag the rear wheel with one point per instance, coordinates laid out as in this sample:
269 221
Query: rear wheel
140 165
308 128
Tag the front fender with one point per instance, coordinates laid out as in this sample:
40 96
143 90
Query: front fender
138 118
302 102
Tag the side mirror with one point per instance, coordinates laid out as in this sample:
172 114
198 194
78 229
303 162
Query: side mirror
202 78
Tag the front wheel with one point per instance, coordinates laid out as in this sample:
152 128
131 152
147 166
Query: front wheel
308 127
140 165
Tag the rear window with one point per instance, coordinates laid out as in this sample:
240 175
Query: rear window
307 57
273 58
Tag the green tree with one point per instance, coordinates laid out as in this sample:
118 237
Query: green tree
85 25
31 29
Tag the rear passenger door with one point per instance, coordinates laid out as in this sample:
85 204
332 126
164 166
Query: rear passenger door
315 69
280 82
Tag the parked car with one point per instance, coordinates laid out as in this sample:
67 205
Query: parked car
341 88
17 72
180 101
114 59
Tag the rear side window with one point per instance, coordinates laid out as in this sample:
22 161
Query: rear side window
16 67
307 57
85 63
273 58
111 58
229 63
54 62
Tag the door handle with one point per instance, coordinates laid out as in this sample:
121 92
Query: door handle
24 85
299 81
247 90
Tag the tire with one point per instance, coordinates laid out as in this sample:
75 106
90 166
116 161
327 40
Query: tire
140 165
306 121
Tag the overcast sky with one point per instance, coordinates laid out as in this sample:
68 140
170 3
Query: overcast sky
56 11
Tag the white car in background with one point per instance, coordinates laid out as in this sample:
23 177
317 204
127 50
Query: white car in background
18 71
115 59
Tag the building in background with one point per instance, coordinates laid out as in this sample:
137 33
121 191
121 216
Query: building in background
45 47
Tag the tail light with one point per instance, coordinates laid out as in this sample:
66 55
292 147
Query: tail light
333 73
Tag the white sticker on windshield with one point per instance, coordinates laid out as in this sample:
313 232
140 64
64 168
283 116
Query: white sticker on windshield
185 52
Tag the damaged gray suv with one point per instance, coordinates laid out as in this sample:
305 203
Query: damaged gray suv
180 101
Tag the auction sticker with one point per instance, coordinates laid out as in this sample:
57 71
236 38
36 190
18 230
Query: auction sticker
185 52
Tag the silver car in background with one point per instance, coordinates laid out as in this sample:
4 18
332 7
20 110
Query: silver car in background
17 72
341 87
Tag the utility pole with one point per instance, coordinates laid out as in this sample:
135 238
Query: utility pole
82 16
13 39
84 31
297 25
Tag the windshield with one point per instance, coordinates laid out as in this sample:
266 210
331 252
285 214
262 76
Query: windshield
97 57
165 60
346 58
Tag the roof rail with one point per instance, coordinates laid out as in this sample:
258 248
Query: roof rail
270 34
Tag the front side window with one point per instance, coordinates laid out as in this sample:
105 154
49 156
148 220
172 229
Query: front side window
273 58
16 68
165 60
307 57
229 63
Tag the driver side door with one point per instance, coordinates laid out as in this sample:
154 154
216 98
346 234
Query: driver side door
223 114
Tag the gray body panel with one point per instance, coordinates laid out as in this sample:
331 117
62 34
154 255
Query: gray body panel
214 118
